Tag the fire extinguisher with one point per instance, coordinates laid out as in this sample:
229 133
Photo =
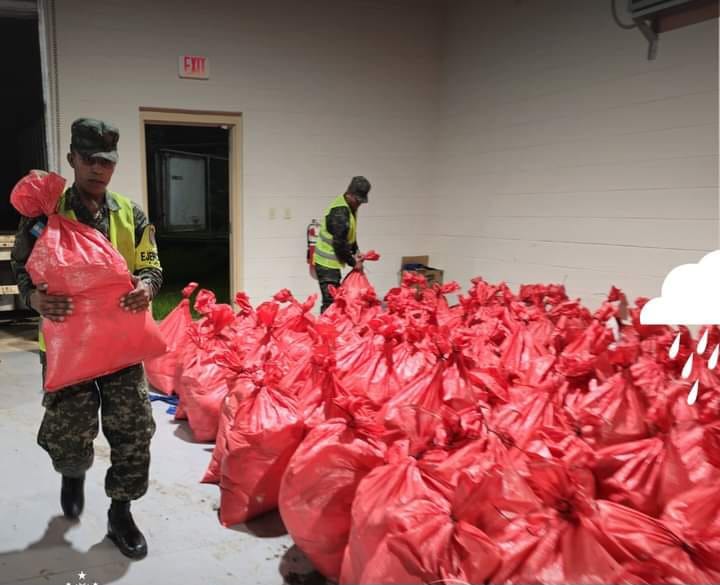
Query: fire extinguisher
313 232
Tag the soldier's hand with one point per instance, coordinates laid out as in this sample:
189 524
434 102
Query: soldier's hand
138 299
358 263
53 307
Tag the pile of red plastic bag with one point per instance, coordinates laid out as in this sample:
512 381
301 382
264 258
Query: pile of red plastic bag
511 438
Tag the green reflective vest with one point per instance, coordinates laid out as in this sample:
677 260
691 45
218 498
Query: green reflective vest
324 251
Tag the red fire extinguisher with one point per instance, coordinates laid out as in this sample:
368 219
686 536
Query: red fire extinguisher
313 232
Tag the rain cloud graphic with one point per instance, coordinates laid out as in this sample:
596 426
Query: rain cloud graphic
690 295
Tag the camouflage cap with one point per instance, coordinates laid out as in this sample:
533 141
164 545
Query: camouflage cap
95 138
360 187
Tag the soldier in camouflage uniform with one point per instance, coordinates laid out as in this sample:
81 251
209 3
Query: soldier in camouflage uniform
70 423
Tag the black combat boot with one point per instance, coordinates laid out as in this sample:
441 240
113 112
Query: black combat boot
72 496
123 532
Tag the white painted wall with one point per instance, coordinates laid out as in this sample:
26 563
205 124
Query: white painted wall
328 89
517 140
566 156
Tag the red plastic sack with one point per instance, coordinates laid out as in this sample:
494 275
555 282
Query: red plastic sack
643 474
76 260
403 479
204 389
436 544
558 543
160 371
532 408
375 377
259 444
711 444
356 299
319 487
618 410
681 550
437 539
318 395
197 363
695 517
227 416
37 193
425 393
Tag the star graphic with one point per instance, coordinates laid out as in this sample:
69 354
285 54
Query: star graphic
82 575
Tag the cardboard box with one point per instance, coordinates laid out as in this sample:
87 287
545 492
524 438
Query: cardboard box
420 264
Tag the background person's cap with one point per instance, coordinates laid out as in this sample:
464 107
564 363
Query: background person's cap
92 137
360 187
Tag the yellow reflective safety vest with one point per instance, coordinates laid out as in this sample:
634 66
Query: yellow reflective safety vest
324 251
121 235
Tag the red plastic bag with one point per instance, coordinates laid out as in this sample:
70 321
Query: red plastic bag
205 386
375 377
580 357
434 543
441 540
37 193
227 416
678 549
643 474
319 487
200 377
531 408
557 544
403 479
618 409
425 392
259 444
495 493
76 260
318 395
160 371
711 444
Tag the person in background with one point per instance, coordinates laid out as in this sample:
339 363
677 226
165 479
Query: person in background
70 423
337 242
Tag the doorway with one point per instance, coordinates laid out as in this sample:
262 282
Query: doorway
22 110
22 127
192 196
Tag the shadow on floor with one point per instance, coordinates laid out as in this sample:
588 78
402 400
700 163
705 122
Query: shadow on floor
296 569
268 525
18 336
182 431
53 555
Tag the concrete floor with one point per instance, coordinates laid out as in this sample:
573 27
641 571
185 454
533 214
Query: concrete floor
187 545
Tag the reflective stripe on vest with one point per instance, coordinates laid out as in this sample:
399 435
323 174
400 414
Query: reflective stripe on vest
324 250
121 233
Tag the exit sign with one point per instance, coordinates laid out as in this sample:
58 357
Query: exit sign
194 67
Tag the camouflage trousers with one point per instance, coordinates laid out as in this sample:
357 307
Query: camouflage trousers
70 426
327 277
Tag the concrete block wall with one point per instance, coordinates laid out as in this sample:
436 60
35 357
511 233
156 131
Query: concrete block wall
566 156
515 140
328 89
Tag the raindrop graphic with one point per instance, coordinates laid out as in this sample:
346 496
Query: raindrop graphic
714 358
687 370
692 397
675 348
702 346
